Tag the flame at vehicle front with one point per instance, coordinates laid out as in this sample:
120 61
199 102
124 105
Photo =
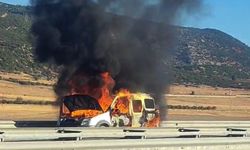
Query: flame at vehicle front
98 87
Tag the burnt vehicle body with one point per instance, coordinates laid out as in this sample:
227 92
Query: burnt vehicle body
133 110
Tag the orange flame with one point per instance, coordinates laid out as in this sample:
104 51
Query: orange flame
85 113
105 100
100 88
123 101
86 85
123 93
155 122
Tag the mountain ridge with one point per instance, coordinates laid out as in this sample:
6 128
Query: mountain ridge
202 56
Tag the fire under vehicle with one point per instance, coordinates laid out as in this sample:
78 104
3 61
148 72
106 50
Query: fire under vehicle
126 110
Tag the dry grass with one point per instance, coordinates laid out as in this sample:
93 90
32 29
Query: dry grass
206 90
25 77
12 91
221 102
227 108
208 115
234 107
28 112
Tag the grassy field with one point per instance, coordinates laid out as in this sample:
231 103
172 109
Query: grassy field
227 107
231 104
230 108
13 90
26 78
28 112
206 90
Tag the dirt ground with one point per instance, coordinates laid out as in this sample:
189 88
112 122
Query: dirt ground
231 104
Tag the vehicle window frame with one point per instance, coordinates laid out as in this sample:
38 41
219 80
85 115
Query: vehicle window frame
145 101
134 108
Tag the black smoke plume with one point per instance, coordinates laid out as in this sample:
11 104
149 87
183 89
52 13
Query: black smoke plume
130 39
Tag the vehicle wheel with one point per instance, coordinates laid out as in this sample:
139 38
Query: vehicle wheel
102 124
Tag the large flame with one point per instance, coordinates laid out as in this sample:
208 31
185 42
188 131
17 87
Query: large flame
123 93
123 97
106 99
98 87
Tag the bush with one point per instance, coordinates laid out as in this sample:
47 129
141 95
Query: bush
194 107
178 107
19 100
192 93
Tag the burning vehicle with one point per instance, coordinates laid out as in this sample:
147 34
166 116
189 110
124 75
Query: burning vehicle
90 103
104 46
126 110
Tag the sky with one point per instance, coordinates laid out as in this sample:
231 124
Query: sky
230 16
16 2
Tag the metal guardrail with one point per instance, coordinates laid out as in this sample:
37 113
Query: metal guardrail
114 133
172 129
222 135
205 124
7 124
173 144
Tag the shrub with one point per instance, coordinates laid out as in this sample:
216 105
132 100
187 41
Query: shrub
19 100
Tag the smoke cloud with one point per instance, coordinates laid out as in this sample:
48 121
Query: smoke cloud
131 39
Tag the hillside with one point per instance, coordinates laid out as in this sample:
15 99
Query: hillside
15 44
202 56
211 57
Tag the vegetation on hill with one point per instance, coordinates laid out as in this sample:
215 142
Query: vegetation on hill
15 44
202 56
211 57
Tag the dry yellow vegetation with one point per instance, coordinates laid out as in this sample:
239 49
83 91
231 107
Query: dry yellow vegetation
231 104
25 77
11 90
28 112
206 90
205 115
227 107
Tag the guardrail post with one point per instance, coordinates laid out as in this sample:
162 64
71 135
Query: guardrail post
1 138
135 133
198 135
237 132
